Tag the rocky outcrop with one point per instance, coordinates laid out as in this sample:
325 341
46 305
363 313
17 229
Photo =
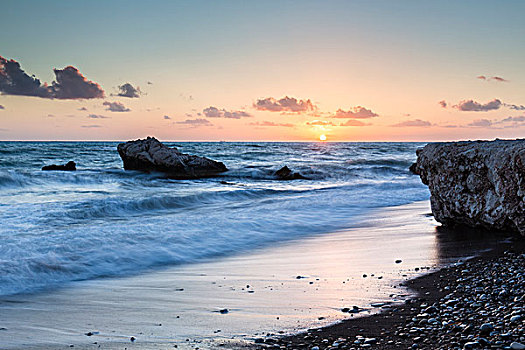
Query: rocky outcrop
151 155
286 174
479 183
69 166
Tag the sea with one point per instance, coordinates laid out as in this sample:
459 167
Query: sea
102 221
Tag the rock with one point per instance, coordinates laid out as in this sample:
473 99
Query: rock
478 184
286 174
69 166
151 155
413 169
517 346
486 328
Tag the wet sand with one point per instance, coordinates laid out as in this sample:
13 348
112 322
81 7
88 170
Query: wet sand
278 290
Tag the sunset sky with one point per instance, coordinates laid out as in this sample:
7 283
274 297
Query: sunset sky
262 70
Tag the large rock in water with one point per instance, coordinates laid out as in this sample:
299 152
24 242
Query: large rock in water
151 155
479 183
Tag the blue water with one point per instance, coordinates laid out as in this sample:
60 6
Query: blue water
58 227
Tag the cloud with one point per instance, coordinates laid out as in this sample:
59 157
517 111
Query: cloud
82 109
285 104
473 106
116 107
353 122
127 90
69 83
495 78
266 123
509 122
520 119
195 122
214 112
355 113
97 116
515 107
413 123
2 107
320 123
92 126
443 103
167 117
481 123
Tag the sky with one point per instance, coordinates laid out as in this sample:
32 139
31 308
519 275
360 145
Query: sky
262 70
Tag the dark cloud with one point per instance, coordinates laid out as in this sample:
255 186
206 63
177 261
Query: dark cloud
116 107
355 113
443 103
266 123
69 83
320 123
195 122
92 126
473 106
128 90
2 107
97 116
520 119
82 109
353 122
515 107
150 83
167 117
285 104
214 112
414 123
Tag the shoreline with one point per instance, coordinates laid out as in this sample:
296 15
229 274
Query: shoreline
430 319
148 306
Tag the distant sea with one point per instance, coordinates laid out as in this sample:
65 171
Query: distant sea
102 221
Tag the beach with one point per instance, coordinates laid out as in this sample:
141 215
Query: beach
267 293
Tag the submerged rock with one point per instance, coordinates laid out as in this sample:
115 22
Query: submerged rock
69 166
479 183
151 155
286 174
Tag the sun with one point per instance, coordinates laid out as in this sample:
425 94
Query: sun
322 137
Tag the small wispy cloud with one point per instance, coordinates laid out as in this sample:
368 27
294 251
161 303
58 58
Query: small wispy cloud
493 78
82 109
353 122
167 117
285 104
418 123
358 112
92 126
266 123
320 123
214 112
473 106
195 122
128 90
515 107
97 116
116 107
443 103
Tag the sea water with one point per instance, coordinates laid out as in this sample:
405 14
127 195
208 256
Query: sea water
102 221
